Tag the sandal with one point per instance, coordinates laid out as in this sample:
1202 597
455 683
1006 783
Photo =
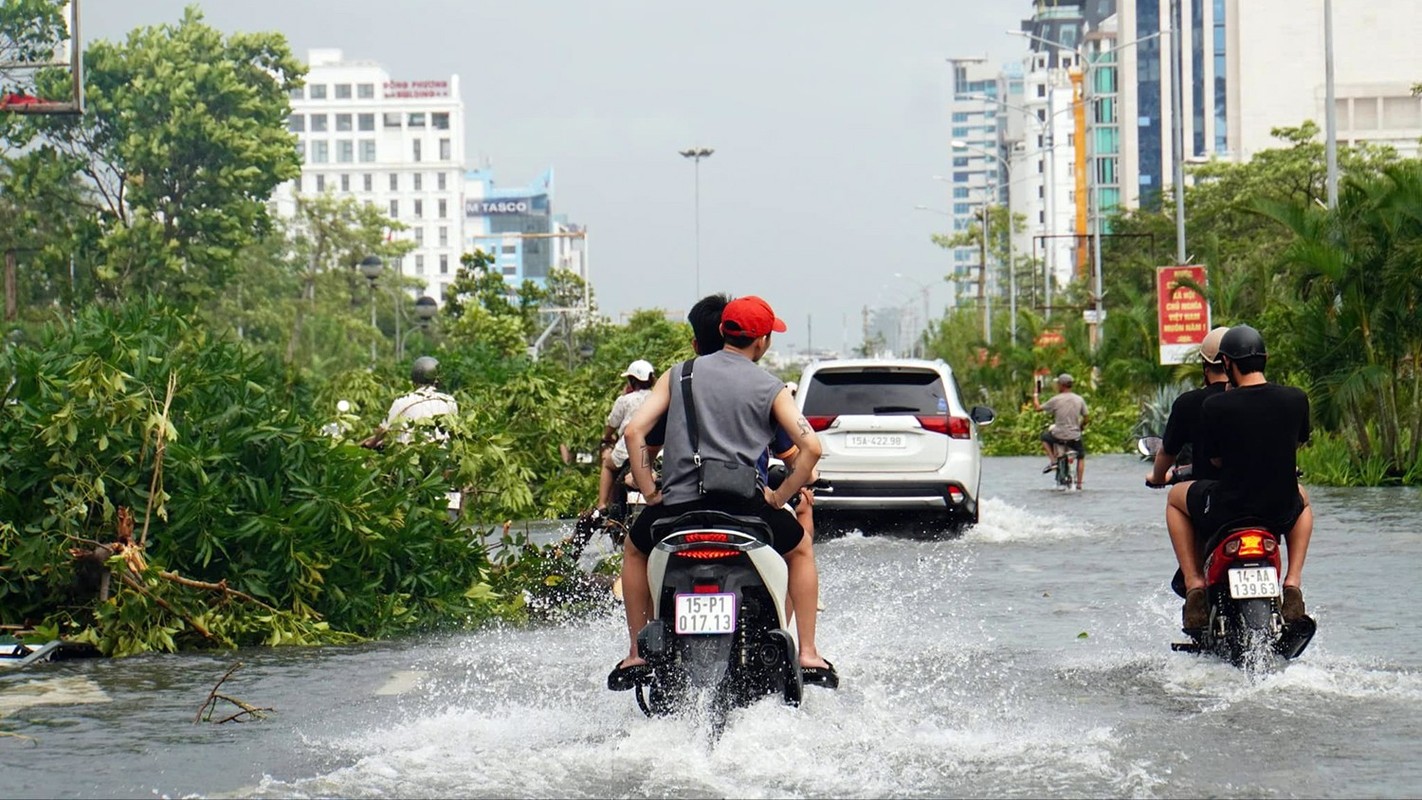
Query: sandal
820 676
621 678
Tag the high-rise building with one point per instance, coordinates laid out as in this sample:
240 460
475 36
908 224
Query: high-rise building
397 145
518 228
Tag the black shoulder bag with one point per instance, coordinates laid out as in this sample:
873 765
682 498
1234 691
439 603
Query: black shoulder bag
715 478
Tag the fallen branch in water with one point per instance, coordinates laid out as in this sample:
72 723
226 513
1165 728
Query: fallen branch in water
134 584
210 704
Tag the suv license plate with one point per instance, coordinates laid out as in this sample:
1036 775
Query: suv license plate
1253 582
876 440
706 613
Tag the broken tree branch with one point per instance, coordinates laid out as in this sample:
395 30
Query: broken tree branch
220 586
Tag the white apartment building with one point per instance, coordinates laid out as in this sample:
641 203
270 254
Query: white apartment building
392 143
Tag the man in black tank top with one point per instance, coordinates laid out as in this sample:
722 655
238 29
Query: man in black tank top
1252 433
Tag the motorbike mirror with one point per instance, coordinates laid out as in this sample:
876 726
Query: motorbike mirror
1148 445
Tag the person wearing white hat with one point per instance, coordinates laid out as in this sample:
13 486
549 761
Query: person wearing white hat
639 375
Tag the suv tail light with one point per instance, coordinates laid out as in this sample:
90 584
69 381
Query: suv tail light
819 423
955 427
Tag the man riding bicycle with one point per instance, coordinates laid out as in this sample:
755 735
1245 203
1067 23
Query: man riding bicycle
1069 410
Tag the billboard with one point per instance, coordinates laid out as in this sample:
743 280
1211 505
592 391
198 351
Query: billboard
1183 316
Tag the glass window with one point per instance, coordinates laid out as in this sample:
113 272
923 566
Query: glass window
365 91
960 116
443 264
367 150
367 182
298 93
320 151
440 181
345 151
962 208
444 150
343 91
419 209
394 209
296 123
417 149
301 153
343 123
417 119
443 208
443 233
320 183
318 123
392 119
365 122
440 120
318 91
960 161
960 192
960 132
394 182
345 183
419 181
419 264
419 229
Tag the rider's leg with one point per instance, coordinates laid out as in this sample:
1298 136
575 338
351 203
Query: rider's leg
1080 466
1182 536
604 479
804 596
1297 539
636 596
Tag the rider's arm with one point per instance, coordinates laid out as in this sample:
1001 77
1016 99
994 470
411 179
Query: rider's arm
640 453
805 440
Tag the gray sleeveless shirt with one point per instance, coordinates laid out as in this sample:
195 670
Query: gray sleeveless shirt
733 399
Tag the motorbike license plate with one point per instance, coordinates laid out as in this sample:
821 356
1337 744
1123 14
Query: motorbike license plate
876 440
1253 582
706 613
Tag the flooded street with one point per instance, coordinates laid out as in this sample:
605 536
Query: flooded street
1028 658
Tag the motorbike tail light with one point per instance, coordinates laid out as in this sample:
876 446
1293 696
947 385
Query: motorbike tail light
705 536
704 553
1270 545
1231 547
820 422
705 588
1251 544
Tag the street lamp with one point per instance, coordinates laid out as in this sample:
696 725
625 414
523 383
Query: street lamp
1093 210
371 267
959 144
696 154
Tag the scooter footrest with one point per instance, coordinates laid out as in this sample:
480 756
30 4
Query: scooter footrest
1185 647
1296 636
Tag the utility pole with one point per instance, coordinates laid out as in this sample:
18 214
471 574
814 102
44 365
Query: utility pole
12 296
1331 114
1177 129
696 154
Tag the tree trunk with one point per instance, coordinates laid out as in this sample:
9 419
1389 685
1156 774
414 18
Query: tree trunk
12 305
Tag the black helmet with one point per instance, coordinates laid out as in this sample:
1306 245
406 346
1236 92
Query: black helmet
424 371
1242 341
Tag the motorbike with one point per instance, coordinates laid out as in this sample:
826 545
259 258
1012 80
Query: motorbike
1244 593
720 625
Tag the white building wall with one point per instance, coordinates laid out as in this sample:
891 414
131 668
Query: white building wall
403 153
1278 68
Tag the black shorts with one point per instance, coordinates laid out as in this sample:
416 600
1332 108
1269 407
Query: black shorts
785 530
1074 445
1208 515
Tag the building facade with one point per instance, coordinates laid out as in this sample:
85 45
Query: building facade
518 228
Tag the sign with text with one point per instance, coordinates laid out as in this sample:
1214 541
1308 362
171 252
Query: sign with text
409 89
1184 314
500 206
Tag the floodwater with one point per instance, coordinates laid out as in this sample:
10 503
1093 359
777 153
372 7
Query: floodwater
1028 658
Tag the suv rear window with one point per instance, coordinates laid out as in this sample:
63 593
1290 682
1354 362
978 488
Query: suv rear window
832 393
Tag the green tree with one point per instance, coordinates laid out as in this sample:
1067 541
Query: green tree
183 141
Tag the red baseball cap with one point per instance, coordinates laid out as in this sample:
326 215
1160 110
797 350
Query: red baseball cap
750 316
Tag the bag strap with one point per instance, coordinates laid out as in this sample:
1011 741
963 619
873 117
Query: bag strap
690 407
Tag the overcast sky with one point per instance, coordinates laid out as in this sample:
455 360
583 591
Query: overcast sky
828 117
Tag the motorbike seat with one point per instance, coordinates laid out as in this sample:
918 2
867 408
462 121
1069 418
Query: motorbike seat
708 518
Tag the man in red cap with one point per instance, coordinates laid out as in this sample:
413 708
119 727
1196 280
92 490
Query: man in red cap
737 405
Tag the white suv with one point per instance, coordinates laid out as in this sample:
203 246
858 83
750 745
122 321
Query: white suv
897 439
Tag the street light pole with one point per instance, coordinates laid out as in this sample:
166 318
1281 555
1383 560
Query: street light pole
959 144
696 154
1331 115
370 267
924 289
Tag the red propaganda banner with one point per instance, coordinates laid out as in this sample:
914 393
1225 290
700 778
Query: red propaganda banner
1184 314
